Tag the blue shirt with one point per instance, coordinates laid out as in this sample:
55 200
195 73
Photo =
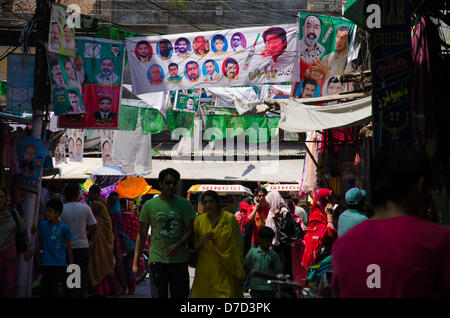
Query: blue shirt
54 238
349 219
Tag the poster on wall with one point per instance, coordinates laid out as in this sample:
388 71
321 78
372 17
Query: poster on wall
106 139
60 151
66 89
20 82
187 102
99 65
233 57
61 36
31 153
75 144
324 45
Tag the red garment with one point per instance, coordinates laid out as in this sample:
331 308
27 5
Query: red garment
130 224
320 232
241 216
259 221
413 258
298 271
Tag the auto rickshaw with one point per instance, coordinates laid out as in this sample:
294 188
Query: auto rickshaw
231 195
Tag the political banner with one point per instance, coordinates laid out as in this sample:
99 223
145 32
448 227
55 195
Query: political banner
75 144
324 54
99 65
187 103
106 139
233 57
20 72
31 153
60 151
66 89
61 36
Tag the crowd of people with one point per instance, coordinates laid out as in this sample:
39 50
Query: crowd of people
350 251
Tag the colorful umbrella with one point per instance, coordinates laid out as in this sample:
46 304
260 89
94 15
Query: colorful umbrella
109 171
131 187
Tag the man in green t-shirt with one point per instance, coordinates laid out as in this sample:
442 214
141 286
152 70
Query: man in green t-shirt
171 218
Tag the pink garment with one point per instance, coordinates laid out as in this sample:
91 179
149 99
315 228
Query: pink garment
8 272
298 271
108 286
407 256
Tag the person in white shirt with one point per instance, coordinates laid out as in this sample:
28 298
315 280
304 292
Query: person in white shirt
83 226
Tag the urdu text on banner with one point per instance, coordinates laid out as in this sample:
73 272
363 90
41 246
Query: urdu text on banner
234 57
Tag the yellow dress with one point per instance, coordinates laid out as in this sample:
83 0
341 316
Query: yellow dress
219 272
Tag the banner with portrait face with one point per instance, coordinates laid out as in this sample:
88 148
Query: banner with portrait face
99 66
31 153
61 36
66 88
106 138
188 103
60 151
75 144
324 54
235 57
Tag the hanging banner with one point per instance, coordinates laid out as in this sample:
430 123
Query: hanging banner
324 54
106 137
60 151
20 82
187 103
99 65
390 48
61 36
66 89
31 154
75 144
235 57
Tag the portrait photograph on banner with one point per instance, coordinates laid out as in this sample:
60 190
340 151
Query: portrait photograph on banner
234 57
61 37
323 48
99 65
31 153
187 103
60 151
75 144
66 89
106 138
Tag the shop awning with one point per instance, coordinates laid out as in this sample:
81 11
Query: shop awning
298 117
220 188
282 171
283 187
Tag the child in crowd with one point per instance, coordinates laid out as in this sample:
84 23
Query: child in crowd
263 259
54 241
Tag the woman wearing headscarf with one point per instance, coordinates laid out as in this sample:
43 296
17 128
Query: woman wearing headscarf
321 231
297 250
219 271
244 224
8 254
101 253
278 211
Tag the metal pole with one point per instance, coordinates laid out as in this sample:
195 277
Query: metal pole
40 98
